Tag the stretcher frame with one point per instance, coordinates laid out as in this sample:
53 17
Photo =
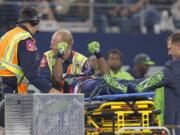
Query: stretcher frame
120 116
144 114
121 130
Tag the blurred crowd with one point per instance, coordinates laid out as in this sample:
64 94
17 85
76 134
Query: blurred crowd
146 16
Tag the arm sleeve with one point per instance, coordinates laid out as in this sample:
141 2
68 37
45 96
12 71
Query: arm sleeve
27 59
44 70
159 79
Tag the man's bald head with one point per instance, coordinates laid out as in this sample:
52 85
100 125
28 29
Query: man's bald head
59 37
62 36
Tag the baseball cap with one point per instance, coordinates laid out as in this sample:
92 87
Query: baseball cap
143 59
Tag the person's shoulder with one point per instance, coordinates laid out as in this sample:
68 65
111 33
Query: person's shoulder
49 52
79 57
172 63
124 75
173 66
28 43
80 54
128 75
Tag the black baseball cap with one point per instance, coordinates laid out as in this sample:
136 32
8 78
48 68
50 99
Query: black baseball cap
143 59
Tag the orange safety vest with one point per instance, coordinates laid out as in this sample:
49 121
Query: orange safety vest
8 56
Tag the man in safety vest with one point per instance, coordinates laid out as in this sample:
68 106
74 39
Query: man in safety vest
18 53
61 60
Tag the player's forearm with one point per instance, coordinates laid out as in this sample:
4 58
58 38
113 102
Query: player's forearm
58 70
104 69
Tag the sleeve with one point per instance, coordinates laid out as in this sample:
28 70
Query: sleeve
87 69
44 70
159 79
27 60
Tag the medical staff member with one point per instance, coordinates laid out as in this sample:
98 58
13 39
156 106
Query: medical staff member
61 60
18 52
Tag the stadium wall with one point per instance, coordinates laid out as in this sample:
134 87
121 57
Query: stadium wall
129 44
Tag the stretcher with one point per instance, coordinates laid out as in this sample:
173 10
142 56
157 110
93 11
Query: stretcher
122 97
107 114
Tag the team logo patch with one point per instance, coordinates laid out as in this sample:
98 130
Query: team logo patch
43 62
30 45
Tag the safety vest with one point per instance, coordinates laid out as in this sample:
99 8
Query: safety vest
8 56
78 61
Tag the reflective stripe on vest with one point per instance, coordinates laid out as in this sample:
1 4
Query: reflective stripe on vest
7 63
8 56
74 68
78 63
11 46
50 59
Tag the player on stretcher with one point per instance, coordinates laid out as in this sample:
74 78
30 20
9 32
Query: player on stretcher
104 84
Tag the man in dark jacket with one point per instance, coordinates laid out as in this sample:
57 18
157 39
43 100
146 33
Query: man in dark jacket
169 77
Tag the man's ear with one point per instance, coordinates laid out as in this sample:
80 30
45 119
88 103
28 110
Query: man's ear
178 46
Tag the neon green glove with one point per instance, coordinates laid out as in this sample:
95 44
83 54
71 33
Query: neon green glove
114 83
151 81
94 47
62 47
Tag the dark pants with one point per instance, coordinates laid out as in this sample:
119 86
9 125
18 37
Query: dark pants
2 113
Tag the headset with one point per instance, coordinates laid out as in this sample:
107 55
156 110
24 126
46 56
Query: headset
29 15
